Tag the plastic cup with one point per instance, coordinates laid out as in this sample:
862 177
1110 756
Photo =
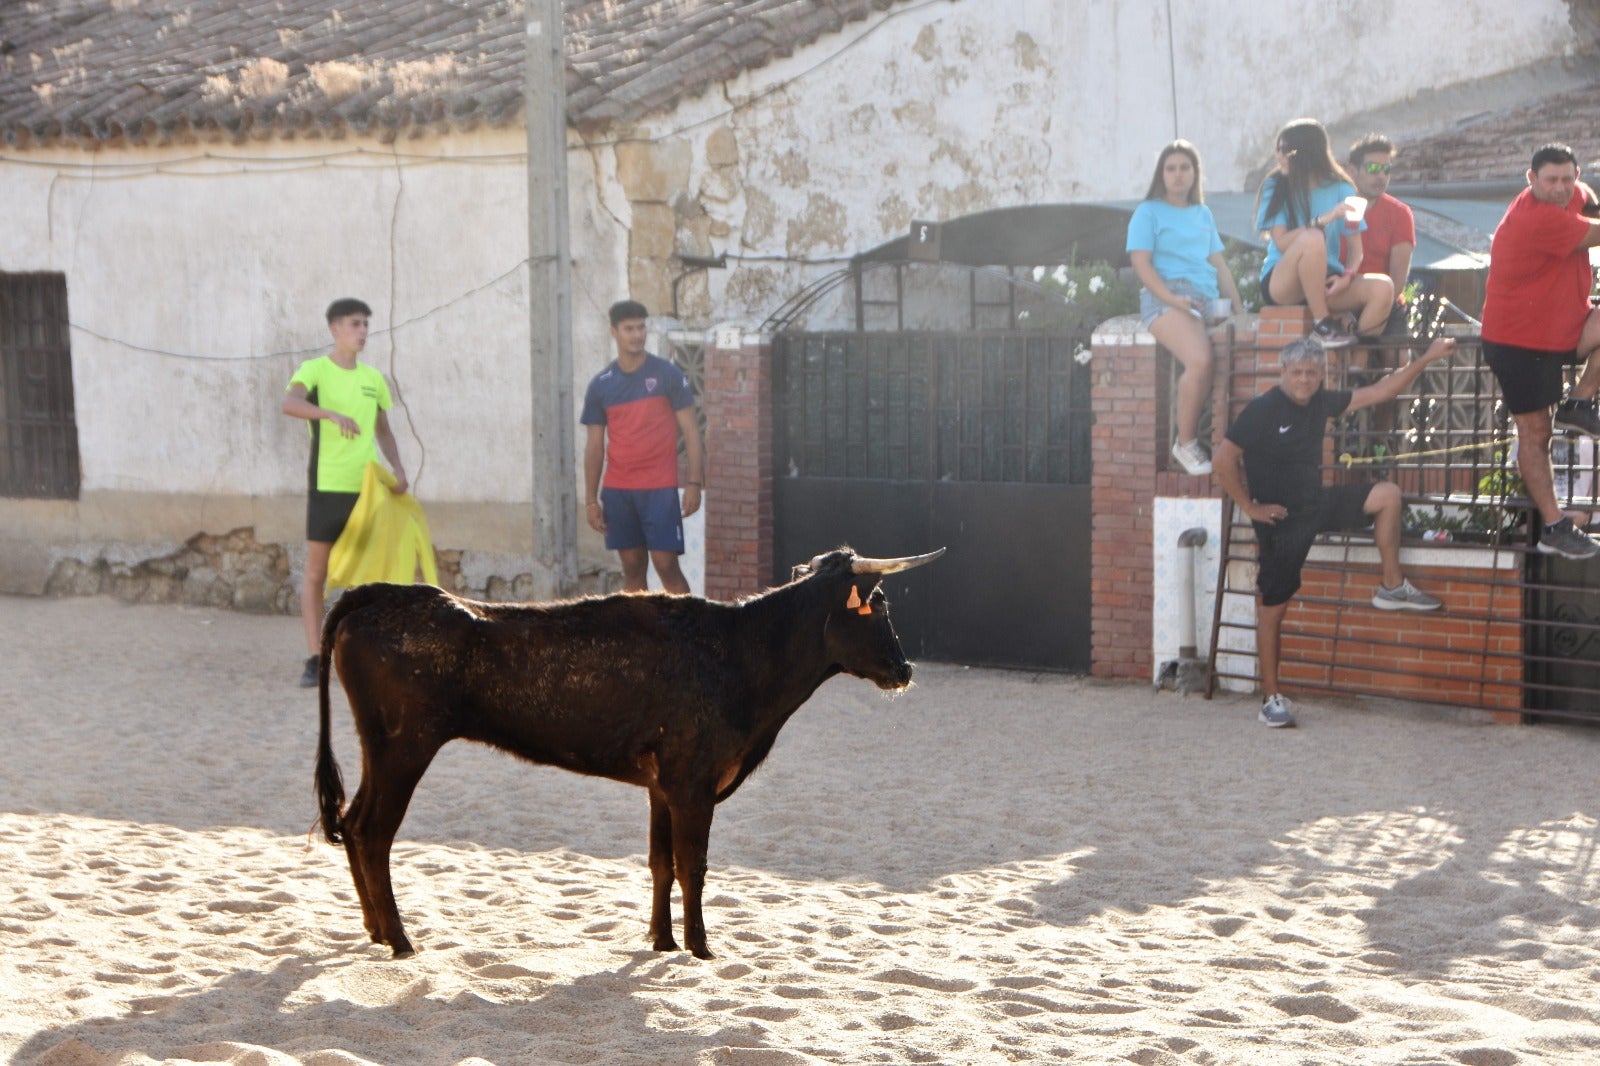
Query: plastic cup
1358 208
1220 308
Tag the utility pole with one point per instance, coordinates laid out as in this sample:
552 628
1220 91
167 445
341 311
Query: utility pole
555 510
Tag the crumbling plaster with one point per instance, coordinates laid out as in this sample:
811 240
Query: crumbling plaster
937 110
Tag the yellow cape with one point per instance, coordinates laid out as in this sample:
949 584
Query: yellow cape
386 538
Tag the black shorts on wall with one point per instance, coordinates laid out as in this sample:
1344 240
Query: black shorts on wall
1285 544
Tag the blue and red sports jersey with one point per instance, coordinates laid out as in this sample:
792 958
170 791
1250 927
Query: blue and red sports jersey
639 411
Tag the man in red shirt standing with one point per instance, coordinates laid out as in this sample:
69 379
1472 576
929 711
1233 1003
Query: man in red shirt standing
1391 234
635 408
1537 320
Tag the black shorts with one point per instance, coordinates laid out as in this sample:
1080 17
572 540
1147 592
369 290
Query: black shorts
1530 379
1266 289
1398 323
327 512
1285 544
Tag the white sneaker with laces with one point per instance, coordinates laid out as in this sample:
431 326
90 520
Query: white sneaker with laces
1191 457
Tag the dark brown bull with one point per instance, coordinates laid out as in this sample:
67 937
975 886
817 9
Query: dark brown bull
679 695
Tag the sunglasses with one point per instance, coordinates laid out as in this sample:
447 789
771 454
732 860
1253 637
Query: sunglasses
1379 168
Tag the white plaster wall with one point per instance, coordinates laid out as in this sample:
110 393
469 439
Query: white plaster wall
196 285
937 109
1171 516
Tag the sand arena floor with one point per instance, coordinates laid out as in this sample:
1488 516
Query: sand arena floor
994 867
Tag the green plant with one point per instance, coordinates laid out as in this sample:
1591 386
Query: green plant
1083 295
1244 263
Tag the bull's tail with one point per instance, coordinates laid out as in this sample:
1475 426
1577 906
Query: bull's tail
329 781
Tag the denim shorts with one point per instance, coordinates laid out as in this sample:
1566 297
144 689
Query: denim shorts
1151 308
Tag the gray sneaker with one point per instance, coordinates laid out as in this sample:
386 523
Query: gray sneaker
1404 597
1568 541
1190 456
308 676
1275 713
1580 416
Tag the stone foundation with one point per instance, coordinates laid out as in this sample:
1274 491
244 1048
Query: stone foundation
236 571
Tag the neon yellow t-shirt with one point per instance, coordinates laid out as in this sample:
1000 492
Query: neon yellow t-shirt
337 462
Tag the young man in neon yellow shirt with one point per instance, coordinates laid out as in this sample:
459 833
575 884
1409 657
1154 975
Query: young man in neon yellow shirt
345 403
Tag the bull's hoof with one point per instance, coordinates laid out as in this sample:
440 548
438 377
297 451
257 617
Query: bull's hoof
405 952
664 943
701 952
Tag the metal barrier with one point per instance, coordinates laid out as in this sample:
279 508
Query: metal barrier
1524 631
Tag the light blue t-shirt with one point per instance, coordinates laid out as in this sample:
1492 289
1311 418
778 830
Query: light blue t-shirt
1323 200
1179 240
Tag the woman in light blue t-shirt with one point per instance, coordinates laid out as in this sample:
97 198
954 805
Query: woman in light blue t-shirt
1177 254
1314 245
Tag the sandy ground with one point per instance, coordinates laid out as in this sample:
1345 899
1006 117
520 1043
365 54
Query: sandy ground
994 867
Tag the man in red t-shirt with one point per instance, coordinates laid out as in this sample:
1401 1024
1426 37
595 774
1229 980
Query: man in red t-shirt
1537 320
1391 234
635 409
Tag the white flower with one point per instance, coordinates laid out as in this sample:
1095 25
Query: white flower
1072 290
1038 273
1082 355
1060 275
1096 283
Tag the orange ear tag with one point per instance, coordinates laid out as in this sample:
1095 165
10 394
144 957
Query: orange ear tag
855 598
865 608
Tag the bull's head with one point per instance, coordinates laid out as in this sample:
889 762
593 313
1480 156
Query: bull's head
859 636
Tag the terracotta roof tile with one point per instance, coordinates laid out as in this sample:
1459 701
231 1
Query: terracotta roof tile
150 71
1498 146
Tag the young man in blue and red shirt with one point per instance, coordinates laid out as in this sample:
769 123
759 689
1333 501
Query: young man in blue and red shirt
635 408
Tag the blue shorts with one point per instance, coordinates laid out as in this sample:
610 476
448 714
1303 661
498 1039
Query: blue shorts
643 518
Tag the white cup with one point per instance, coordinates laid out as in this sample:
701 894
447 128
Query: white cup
1220 308
1358 208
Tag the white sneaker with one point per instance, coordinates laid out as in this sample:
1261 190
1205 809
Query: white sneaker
1191 457
1275 712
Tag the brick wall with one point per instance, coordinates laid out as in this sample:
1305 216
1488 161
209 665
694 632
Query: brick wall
1130 440
1469 653
738 491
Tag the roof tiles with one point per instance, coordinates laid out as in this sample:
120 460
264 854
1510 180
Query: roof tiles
152 71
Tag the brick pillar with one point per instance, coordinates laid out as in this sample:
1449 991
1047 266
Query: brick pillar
738 409
1130 443
1123 442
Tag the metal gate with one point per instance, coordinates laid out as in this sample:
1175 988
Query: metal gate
898 443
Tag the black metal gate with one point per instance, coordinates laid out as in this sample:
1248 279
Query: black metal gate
898 443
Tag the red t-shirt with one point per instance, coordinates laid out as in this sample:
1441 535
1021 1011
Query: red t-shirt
1389 222
1537 294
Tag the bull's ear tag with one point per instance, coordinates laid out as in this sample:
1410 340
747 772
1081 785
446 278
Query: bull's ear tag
855 598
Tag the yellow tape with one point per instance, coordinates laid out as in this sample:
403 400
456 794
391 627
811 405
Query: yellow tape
1347 460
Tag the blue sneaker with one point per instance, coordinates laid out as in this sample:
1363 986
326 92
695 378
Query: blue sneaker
1275 713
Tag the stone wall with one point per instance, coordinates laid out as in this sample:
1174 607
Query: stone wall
236 571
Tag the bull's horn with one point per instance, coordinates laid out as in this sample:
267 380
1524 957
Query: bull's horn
893 566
